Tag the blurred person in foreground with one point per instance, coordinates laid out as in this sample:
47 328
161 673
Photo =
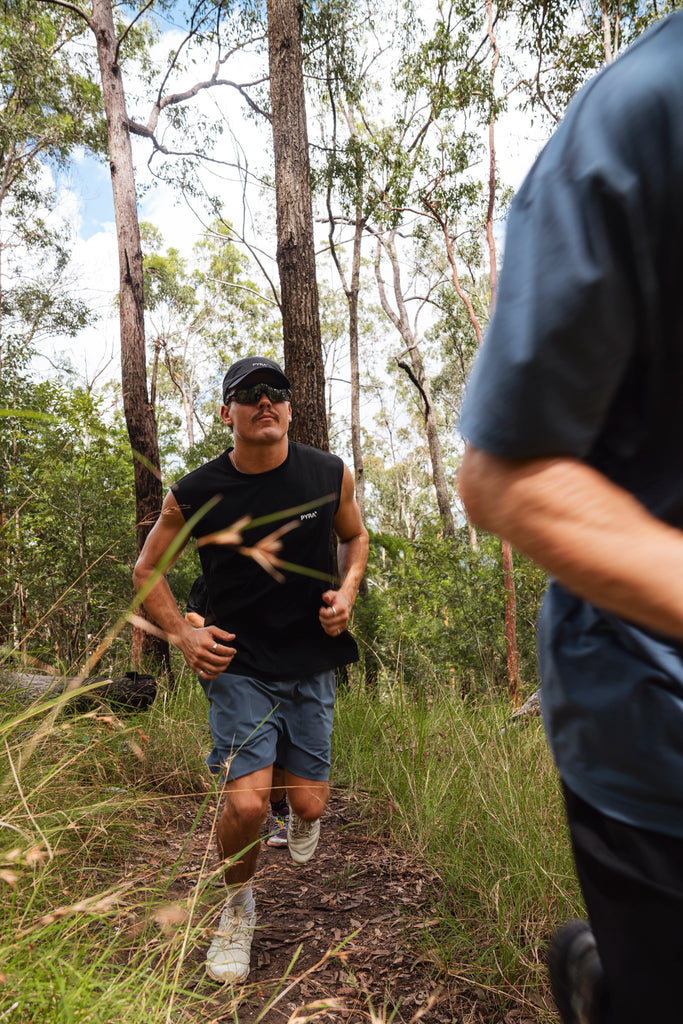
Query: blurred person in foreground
267 660
198 614
574 424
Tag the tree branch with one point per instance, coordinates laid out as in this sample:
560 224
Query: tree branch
179 97
72 7
129 27
404 366
382 293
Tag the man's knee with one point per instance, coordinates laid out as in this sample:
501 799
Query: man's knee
307 799
246 808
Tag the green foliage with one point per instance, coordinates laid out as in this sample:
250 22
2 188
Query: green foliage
454 334
67 542
202 313
49 102
49 105
399 497
434 614
571 48
165 276
39 306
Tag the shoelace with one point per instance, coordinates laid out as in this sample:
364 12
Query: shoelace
300 827
234 925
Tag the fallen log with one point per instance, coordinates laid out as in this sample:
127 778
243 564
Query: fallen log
530 708
133 691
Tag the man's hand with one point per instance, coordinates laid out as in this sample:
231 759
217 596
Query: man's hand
334 613
207 651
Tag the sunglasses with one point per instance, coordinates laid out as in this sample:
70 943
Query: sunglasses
251 395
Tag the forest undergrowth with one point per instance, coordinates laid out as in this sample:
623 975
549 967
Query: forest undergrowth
101 923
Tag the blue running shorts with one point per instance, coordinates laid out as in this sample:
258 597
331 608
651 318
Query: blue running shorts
254 724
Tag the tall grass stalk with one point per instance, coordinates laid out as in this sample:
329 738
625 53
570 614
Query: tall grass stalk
477 799
101 922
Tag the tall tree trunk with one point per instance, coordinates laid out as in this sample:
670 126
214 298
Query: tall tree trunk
439 214
294 208
417 374
139 412
352 296
440 217
352 292
511 649
609 48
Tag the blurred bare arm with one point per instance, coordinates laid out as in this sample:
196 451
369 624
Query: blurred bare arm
593 536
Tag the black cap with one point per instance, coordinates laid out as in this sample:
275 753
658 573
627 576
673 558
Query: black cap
244 368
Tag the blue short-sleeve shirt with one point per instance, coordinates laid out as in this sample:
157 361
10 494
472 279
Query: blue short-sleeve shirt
584 358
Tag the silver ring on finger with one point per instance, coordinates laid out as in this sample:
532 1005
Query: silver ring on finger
214 647
339 631
200 673
334 610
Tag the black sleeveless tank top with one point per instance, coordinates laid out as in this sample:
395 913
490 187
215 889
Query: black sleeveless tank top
278 635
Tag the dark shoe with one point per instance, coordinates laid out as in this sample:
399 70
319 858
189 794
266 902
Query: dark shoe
277 827
576 975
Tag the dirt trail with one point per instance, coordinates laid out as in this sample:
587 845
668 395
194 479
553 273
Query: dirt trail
368 903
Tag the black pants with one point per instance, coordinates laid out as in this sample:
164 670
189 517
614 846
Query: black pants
632 882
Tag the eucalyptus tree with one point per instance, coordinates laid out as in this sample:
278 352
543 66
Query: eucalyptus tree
403 117
397 312
420 149
295 242
204 22
400 487
338 66
560 45
48 107
198 309
367 167
351 285
457 66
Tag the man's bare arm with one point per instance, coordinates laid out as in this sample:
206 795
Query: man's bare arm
352 557
197 645
591 535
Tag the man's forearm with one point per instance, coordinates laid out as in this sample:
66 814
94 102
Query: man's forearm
161 605
352 558
584 530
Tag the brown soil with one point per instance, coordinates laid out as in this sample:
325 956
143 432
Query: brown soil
347 932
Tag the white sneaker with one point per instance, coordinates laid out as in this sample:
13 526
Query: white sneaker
230 951
302 838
